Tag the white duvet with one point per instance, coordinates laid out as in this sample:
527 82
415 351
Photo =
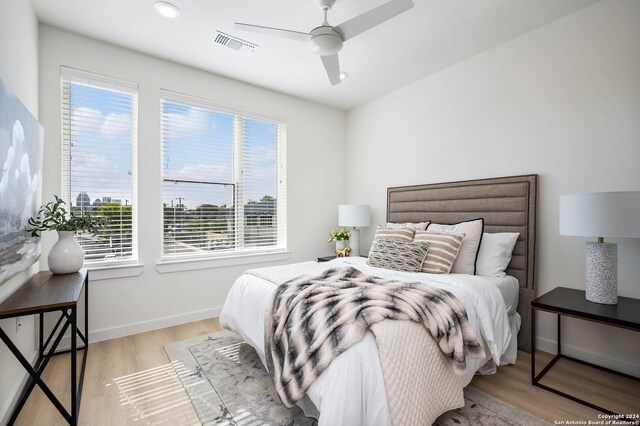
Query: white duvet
351 391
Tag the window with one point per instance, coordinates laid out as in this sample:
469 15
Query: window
223 180
99 148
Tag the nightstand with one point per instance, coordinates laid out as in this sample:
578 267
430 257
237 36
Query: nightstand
570 302
326 258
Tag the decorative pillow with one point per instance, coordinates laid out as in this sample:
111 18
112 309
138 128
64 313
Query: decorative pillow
418 226
466 261
397 234
443 250
398 255
495 253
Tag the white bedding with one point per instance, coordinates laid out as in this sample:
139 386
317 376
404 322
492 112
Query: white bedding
351 391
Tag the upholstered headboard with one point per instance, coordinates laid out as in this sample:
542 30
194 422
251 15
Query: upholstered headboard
507 204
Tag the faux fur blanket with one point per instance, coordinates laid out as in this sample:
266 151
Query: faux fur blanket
312 320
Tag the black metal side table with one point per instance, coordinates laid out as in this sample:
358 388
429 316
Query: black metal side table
44 293
571 302
326 258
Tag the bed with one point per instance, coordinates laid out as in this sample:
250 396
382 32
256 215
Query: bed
354 389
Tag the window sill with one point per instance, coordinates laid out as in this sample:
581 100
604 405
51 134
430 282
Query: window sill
107 272
191 264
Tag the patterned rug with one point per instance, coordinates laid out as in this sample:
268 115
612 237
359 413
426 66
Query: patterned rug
228 385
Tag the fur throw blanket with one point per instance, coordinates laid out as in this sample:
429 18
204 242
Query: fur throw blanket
312 320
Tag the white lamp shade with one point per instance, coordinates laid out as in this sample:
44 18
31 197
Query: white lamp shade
601 214
353 215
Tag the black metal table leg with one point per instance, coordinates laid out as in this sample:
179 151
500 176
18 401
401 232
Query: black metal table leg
41 335
533 346
35 376
559 335
74 371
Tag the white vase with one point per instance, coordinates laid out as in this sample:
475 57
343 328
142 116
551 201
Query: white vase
340 245
66 255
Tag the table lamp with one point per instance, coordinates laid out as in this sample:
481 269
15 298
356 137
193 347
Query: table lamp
601 214
354 215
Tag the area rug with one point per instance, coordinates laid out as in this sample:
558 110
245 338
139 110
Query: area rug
228 385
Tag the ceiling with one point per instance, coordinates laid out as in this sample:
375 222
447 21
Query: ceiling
433 35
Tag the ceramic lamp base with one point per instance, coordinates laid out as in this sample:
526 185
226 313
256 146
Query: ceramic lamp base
354 242
602 273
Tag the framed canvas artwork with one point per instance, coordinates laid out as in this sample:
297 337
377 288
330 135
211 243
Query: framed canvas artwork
21 152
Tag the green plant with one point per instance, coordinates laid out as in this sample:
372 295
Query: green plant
341 235
54 217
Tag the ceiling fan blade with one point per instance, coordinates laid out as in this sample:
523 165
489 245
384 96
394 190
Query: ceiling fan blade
276 32
370 19
332 67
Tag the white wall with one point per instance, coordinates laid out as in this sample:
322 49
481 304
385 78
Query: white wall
19 71
315 146
562 101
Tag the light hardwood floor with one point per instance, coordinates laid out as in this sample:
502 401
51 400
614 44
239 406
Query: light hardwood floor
130 381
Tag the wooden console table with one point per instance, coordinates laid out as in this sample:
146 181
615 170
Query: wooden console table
43 293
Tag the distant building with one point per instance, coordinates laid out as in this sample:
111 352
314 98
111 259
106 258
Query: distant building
83 202
106 200
97 202
260 225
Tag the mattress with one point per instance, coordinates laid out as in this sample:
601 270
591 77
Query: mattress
351 391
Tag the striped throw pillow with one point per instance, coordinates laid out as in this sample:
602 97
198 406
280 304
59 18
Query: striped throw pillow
443 250
398 255
396 234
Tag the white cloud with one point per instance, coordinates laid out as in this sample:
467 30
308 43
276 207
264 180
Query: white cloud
87 119
208 172
18 189
99 176
93 121
262 154
194 122
116 125
6 168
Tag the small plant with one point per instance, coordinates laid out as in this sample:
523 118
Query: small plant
341 235
54 217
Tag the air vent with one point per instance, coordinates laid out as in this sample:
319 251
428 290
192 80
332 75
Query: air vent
234 43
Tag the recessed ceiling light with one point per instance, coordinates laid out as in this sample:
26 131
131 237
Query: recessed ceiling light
343 75
166 9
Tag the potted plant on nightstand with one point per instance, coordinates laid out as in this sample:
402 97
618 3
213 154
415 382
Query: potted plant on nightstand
66 256
341 238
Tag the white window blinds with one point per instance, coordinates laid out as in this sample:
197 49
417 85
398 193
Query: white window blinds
223 179
99 148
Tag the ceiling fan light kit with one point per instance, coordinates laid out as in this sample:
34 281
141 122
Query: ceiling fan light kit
327 40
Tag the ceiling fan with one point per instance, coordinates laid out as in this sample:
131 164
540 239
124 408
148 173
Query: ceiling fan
327 40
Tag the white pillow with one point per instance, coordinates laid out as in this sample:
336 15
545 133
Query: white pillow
495 253
466 261
419 226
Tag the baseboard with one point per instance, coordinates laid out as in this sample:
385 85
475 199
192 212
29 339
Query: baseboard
582 354
142 327
7 410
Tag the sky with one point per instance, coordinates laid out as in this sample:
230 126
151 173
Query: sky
197 146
